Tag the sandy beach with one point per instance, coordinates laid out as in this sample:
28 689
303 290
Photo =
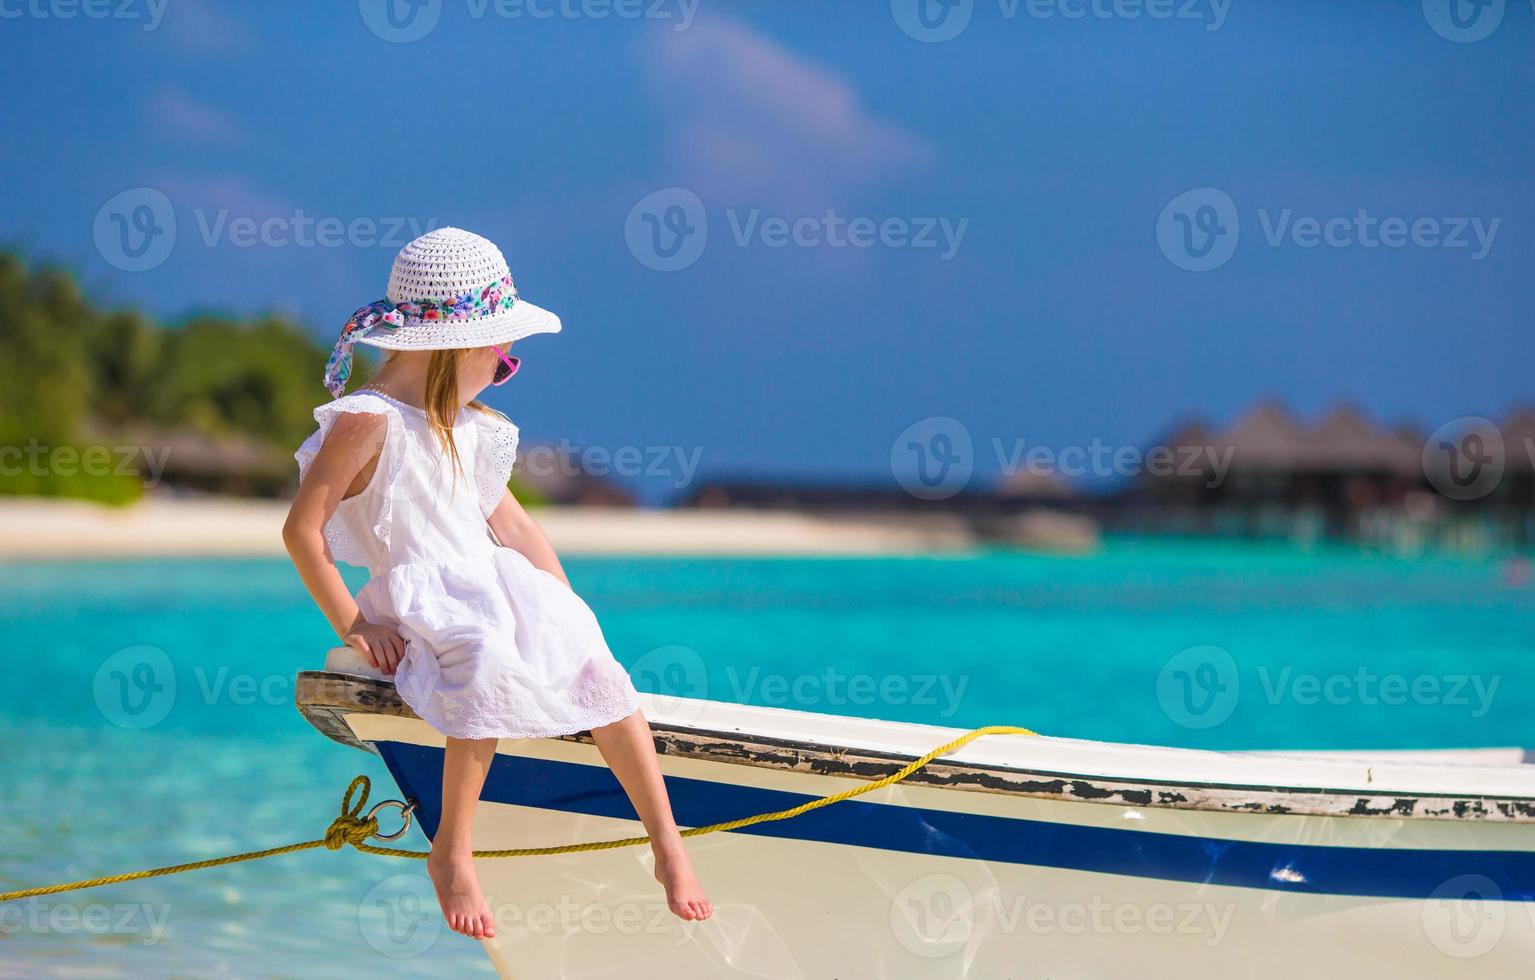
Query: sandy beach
37 528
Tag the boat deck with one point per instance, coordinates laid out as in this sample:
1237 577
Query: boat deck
1494 785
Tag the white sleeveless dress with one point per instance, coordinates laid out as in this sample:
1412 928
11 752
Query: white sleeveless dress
495 647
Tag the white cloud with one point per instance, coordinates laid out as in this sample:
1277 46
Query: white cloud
175 112
202 28
758 122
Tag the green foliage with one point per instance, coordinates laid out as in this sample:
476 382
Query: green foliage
527 495
259 379
69 372
85 472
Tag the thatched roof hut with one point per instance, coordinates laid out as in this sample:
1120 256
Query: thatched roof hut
1268 440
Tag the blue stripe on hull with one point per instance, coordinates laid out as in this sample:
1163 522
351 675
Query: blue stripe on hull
1304 868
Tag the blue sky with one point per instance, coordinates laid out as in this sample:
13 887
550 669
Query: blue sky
1015 178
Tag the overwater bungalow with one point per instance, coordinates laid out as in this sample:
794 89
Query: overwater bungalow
1343 477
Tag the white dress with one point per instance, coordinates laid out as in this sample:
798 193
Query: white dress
495 647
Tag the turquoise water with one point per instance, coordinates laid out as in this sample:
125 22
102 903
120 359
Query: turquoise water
149 720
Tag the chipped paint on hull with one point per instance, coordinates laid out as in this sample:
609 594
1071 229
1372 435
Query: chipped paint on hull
326 698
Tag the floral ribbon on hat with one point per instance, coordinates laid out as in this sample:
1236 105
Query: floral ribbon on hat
494 297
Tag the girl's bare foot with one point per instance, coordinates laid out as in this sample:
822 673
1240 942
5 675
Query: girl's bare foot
458 892
684 895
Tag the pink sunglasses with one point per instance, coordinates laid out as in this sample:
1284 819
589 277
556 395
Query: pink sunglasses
506 368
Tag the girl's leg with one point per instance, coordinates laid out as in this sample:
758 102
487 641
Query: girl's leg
627 747
451 866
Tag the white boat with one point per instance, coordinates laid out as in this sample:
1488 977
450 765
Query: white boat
1015 857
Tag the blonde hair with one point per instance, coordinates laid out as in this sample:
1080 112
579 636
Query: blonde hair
442 399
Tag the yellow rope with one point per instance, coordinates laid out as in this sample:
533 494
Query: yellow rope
350 828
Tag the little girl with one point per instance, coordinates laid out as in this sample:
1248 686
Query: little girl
467 607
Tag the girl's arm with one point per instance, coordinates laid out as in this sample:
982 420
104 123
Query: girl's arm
342 467
514 528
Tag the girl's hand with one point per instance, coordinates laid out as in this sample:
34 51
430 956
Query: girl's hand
383 647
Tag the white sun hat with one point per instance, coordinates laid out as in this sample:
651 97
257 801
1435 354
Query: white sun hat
449 289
